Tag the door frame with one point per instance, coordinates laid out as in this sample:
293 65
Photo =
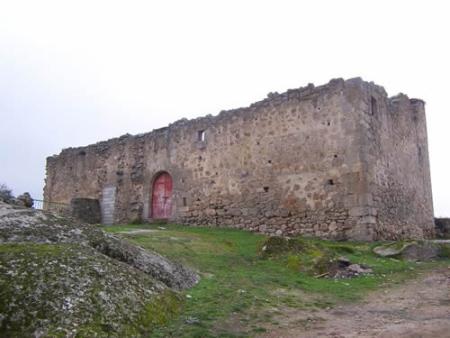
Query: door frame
152 187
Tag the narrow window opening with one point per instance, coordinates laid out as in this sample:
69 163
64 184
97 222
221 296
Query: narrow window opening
184 201
266 189
373 106
201 136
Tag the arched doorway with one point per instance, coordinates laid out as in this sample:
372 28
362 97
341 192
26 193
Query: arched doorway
162 196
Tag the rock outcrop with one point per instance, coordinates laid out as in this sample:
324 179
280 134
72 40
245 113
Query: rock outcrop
61 278
19 225
415 250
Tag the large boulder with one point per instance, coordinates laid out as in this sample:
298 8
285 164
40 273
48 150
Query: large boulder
18 225
68 290
414 250
25 200
62 278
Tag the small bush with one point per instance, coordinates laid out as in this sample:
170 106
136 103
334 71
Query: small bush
5 193
344 249
294 262
275 246
444 251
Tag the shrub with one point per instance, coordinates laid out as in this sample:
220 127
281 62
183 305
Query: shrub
5 193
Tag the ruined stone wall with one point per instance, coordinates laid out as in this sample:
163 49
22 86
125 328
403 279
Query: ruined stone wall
400 201
294 163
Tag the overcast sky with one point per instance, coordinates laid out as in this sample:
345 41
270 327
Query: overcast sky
77 72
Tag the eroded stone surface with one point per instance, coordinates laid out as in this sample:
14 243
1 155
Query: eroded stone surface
18 225
70 290
62 278
415 251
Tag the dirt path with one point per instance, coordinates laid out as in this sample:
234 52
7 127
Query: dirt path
419 308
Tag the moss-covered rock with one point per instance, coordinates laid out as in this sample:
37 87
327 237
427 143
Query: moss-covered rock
415 250
302 255
314 257
70 290
276 245
18 225
63 279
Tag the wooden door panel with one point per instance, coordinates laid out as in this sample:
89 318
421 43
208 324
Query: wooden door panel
162 196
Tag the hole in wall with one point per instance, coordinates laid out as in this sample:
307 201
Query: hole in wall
328 123
184 201
82 153
373 106
269 161
330 182
266 189
335 156
201 136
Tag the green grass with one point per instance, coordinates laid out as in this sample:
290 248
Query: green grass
240 291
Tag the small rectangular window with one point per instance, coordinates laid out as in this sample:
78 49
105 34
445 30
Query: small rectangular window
184 201
201 136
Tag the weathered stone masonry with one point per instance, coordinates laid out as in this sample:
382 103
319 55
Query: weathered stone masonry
340 160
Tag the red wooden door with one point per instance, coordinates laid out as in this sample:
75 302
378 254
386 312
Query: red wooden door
162 196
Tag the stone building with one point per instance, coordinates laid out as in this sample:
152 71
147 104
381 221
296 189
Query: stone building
342 160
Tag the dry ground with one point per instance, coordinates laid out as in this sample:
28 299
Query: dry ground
418 308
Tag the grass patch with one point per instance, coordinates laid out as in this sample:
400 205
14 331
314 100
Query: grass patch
241 288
